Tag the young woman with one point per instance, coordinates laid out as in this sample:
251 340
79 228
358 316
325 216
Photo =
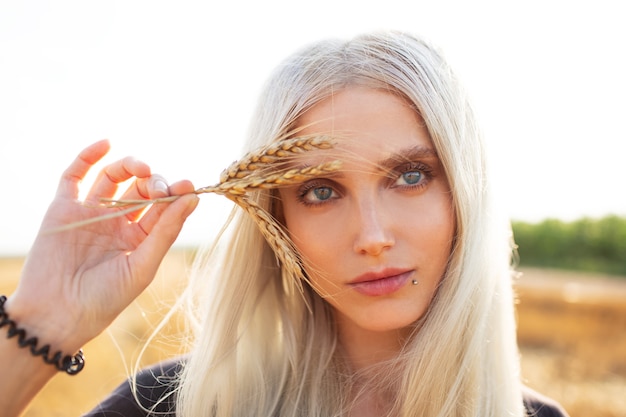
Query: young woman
404 307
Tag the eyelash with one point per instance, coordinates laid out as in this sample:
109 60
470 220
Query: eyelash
394 175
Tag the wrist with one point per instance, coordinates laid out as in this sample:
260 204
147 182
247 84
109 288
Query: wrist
44 320
26 338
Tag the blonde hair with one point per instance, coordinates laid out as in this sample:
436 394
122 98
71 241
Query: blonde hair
262 349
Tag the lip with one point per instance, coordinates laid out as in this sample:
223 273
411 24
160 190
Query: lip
381 283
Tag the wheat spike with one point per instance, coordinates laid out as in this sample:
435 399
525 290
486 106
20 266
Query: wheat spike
273 153
242 185
277 238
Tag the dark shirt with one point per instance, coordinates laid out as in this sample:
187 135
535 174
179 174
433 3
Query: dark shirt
155 383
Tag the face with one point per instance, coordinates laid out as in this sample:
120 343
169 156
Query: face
382 221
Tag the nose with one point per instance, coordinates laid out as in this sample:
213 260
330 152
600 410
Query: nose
373 232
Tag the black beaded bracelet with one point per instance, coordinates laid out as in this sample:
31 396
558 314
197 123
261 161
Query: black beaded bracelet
69 364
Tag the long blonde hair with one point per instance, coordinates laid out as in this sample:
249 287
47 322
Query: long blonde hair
263 350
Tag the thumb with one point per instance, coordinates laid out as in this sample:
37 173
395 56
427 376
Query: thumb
146 259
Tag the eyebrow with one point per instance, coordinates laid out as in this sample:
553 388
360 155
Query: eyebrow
410 154
407 155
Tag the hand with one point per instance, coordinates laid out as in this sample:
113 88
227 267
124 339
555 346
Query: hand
76 281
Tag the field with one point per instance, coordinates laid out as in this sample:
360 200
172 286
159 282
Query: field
572 332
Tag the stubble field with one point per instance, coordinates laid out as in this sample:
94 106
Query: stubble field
572 334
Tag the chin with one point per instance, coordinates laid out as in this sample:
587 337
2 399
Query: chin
390 324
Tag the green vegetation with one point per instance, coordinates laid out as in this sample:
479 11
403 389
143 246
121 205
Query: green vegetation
596 245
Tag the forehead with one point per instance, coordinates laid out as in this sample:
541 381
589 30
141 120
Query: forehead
371 123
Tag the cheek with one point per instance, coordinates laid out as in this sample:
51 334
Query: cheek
428 224
445 232
315 237
307 233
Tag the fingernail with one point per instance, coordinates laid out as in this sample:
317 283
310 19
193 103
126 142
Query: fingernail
161 187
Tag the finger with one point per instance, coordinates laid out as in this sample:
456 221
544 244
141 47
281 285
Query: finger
112 175
145 188
182 187
146 258
151 217
75 173
150 188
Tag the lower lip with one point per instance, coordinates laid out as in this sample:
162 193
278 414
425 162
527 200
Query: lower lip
384 286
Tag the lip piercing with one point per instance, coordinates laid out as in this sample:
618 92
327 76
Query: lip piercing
414 282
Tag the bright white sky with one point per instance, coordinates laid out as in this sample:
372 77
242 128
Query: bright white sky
174 83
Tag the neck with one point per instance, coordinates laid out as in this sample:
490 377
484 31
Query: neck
366 353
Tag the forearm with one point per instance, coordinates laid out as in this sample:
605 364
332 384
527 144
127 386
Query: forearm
23 376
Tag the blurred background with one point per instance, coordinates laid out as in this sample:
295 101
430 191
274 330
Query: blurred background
174 84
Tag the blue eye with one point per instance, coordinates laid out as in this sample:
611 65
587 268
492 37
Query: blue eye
322 193
412 177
